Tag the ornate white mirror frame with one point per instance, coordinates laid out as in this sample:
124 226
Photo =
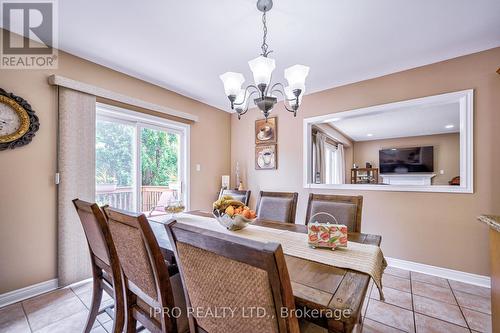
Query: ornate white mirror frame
465 100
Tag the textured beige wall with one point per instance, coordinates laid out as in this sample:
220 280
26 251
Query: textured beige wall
27 192
446 153
438 229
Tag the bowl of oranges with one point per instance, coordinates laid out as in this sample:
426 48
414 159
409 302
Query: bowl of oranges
232 214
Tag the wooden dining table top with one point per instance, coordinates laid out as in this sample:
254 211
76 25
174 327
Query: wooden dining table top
315 285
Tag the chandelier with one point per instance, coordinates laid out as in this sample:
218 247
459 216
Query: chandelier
262 68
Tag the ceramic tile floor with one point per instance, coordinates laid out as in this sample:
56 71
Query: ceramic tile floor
414 302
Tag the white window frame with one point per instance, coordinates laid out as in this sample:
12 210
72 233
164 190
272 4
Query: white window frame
465 98
142 120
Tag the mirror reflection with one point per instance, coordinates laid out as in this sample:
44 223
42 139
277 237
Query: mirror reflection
415 144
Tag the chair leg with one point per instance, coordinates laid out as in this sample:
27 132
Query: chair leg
130 321
96 301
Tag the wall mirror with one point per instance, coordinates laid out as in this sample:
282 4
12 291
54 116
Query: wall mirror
422 144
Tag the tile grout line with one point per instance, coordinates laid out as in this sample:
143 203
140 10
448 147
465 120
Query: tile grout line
412 306
381 323
77 296
369 299
65 317
437 285
459 307
469 307
428 315
26 316
363 315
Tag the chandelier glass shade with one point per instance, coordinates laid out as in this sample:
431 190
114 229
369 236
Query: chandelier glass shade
262 69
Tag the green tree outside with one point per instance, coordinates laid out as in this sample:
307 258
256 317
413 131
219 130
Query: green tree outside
159 154
114 155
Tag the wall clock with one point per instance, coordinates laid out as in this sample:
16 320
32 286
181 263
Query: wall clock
18 122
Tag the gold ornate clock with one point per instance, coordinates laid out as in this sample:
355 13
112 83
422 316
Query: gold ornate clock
18 122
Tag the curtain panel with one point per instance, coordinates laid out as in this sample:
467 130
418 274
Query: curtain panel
339 172
76 168
319 161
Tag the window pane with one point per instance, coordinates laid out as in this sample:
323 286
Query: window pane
160 161
115 177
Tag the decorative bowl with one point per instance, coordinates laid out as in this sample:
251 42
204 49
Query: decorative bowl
237 222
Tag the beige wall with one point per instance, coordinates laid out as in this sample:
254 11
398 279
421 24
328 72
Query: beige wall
446 153
27 192
438 229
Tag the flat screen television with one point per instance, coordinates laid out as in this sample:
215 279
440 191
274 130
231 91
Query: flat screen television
405 160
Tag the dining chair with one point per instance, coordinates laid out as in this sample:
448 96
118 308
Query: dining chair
224 270
151 294
106 271
277 206
163 201
243 196
345 208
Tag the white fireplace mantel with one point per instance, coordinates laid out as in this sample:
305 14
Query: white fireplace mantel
407 178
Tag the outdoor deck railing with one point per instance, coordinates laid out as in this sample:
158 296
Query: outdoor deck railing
123 197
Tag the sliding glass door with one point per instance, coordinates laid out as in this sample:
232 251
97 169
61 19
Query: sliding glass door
141 161
115 147
160 168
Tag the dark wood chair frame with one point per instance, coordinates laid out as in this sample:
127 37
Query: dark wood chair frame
133 312
106 277
356 200
246 193
266 256
293 195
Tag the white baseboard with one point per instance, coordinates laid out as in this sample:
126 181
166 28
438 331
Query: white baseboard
27 292
79 283
478 280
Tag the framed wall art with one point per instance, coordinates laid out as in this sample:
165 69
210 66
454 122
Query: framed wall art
266 157
266 131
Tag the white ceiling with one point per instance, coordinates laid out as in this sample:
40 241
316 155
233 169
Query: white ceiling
401 122
185 45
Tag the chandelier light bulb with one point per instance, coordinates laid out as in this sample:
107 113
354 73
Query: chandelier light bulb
262 69
296 76
232 83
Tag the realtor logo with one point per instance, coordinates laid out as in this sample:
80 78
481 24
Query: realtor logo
36 22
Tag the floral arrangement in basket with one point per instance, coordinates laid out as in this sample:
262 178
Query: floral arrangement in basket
232 214
326 234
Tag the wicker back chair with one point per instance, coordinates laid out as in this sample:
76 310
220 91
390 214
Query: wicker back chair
148 286
277 206
105 264
346 209
220 270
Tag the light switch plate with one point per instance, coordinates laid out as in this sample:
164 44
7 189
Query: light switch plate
198 167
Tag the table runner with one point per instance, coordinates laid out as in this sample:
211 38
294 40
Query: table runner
364 258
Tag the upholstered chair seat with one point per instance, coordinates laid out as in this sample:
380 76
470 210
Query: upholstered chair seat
345 209
277 206
243 196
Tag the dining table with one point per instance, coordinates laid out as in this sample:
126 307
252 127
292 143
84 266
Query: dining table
315 286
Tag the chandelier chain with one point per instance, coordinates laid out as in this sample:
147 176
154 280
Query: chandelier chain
264 46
